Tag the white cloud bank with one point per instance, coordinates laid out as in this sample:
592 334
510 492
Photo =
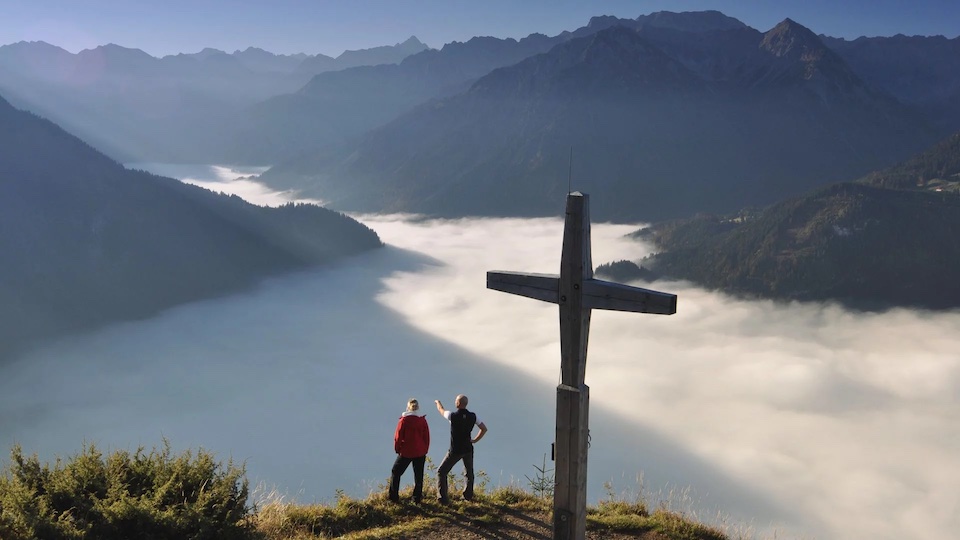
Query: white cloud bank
850 419
808 420
233 179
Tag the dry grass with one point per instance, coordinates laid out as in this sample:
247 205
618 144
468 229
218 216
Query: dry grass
493 513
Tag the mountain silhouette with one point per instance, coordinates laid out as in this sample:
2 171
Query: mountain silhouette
923 71
690 21
732 118
257 59
374 56
338 105
86 241
890 239
139 108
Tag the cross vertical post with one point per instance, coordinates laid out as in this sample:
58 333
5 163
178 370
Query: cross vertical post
576 267
576 292
573 396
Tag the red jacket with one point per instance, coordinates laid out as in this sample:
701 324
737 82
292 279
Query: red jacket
412 438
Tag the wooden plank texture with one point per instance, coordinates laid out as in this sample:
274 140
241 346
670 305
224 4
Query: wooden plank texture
599 294
538 286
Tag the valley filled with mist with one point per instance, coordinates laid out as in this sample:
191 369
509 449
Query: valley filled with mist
266 255
803 419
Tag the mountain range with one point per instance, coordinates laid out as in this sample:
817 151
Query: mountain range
337 106
254 107
137 107
892 238
86 242
666 116
922 71
659 117
364 57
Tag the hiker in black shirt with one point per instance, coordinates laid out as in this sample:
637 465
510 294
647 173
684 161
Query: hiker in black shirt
462 422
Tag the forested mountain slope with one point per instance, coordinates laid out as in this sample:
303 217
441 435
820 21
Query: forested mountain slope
890 239
85 241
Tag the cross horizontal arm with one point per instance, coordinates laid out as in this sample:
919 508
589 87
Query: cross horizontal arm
543 287
599 294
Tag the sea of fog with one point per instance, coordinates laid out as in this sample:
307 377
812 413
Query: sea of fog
797 420
234 179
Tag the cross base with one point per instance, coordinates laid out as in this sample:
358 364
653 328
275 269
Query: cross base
570 492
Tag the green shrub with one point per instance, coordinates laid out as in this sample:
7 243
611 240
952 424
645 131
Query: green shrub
155 495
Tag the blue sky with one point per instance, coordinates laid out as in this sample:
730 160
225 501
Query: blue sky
332 26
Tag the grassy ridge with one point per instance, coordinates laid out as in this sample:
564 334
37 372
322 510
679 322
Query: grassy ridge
491 510
157 494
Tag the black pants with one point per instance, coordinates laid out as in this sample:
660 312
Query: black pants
448 462
400 467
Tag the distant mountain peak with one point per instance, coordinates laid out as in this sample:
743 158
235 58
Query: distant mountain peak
412 45
802 57
691 21
616 60
116 57
35 54
603 21
790 37
113 47
208 52
39 43
412 40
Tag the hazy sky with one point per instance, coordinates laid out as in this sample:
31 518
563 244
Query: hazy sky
330 27
804 418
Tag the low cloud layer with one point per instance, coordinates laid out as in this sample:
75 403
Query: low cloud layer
850 419
804 419
234 179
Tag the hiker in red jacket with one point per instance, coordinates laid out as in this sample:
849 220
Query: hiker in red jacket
411 442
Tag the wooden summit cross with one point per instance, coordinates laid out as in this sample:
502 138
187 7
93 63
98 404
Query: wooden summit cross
576 292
